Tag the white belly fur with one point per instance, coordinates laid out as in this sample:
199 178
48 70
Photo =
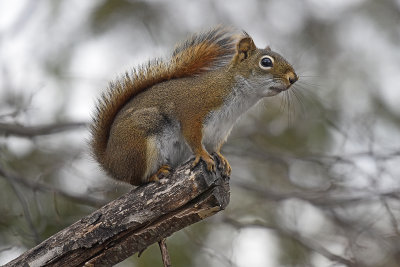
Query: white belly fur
220 122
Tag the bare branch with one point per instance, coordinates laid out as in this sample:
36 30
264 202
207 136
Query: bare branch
306 242
322 199
164 253
226 261
42 187
32 131
392 217
25 208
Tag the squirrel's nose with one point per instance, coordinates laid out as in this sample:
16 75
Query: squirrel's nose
292 77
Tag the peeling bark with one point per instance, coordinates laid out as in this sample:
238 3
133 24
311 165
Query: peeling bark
134 221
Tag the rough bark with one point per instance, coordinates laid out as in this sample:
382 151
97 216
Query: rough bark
134 221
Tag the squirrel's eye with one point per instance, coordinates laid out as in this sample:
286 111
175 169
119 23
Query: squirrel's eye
266 62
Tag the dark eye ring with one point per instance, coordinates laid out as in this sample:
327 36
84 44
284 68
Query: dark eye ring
266 62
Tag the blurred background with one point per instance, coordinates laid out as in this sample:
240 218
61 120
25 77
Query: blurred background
315 178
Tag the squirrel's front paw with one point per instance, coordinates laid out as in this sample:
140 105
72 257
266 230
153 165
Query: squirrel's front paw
207 159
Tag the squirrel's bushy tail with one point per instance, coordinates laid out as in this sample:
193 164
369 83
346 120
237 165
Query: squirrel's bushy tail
198 54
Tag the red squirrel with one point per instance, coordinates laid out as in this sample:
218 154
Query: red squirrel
159 115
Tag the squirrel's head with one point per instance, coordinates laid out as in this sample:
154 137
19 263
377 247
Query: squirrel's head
264 70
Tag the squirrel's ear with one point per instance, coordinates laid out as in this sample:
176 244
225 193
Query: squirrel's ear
268 48
245 47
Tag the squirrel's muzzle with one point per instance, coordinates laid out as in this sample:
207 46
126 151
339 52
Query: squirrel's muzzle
292 77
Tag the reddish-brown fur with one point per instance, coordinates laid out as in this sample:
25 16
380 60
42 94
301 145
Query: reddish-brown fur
191 58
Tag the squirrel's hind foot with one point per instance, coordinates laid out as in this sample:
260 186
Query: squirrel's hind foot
162 172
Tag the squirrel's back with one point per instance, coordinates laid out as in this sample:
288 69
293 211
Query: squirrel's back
200 53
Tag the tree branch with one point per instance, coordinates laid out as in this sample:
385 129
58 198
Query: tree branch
306 242
43 187
321 198
32 131
134 221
